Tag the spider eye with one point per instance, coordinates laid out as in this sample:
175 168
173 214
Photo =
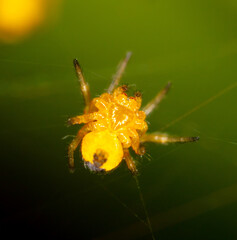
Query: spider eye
101 151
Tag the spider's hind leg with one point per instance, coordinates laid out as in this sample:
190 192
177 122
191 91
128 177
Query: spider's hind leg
83 85
130 162
74 144
156 100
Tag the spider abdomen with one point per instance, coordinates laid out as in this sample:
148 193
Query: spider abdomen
101 150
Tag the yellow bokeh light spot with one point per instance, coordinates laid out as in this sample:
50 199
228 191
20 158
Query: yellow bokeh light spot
20 17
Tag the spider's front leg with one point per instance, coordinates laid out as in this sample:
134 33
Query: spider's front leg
156 100
164 138
119 73
74 144
83 85
130 162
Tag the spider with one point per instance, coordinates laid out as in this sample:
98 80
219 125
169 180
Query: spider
114 123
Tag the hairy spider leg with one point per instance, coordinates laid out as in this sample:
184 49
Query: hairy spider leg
83 85
156 100
119 73
135 139
130 162
74 144
164 138
124 138
83 118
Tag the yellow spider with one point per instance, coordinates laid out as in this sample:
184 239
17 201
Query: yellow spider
113 123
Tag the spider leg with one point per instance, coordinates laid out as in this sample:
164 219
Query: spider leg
83 85
130 162
164 138
85 118
141 150
127 142
124 139
135 139
156 100
119 73
74 144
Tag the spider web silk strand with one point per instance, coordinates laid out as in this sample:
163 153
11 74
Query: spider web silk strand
144 207
209 100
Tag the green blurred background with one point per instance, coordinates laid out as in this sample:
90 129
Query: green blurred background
190 190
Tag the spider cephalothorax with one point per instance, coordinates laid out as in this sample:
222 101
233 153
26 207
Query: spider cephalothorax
113 124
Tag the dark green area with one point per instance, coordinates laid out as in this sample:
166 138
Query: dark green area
193 44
